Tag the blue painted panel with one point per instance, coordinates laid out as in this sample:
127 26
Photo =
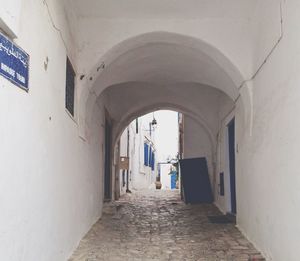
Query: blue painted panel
152 161
146 154
231 142
14 63
173 179
195 181
150 157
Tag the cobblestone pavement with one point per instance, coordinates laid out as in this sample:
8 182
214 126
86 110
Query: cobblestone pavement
156 225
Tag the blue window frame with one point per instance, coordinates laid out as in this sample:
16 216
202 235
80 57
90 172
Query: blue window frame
149 157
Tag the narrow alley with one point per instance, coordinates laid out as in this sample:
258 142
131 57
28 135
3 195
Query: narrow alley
157 225
109 108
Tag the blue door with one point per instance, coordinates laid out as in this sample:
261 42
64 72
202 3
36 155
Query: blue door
173 179
231 141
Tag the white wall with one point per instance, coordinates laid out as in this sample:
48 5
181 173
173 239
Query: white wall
197 143
165 178
268 186
146 177
10 17
123 153
51 180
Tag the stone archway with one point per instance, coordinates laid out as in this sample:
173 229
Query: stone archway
167 70
164 59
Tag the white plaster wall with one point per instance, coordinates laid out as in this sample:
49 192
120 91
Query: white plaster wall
223 202
145 177
123 143
141 175
197 144
269 186
117 22
51 180
10 17
165 178
135 160
123 153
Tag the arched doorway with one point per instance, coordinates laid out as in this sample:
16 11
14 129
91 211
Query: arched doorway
161 70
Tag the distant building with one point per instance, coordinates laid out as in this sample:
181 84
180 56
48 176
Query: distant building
137 147
168 175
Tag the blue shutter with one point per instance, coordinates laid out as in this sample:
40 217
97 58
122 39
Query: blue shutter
146 151
153 161
150 156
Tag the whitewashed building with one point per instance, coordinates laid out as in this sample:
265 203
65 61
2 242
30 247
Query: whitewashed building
137 145
96 65
165 175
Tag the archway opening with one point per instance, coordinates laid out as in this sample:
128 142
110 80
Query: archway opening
168 71
147 153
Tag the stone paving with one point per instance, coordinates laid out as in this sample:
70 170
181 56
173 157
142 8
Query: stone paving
156 225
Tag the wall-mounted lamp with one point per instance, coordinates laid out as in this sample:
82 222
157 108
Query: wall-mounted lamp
152 124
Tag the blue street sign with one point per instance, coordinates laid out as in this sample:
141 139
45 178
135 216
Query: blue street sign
14 63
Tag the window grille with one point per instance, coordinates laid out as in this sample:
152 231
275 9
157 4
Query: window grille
70 87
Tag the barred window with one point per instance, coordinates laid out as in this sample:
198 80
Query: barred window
70 87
